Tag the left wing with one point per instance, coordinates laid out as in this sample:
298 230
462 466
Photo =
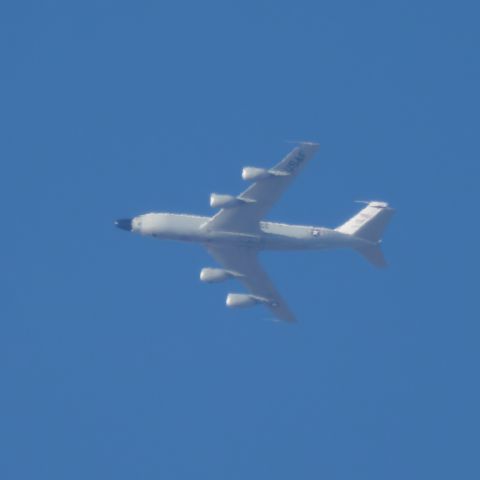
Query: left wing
261 195
243 260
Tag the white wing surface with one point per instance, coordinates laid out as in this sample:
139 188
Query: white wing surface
244 261
262 194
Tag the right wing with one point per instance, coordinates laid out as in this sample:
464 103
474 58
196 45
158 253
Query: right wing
243 260
261 195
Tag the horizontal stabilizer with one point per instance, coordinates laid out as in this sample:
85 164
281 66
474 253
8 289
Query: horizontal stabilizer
374 254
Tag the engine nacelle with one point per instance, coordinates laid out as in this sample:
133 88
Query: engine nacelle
238 300
253 174
227 201
223 201
215 275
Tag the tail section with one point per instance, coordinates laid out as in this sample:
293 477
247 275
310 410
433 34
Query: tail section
369 224
374 255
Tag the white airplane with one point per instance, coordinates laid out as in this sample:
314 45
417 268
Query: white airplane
236 234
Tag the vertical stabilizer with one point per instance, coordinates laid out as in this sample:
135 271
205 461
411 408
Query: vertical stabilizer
370 222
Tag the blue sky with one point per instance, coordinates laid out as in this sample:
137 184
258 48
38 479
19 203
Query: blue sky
116 362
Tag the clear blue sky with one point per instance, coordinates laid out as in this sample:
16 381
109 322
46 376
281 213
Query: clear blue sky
116 362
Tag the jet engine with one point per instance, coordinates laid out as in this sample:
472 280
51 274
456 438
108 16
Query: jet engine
254 174
223 201
227 201
236 300
215 275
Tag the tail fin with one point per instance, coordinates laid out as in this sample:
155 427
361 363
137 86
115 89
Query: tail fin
369 224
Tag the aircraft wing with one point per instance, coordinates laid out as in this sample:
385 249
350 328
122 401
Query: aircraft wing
261 195
244 261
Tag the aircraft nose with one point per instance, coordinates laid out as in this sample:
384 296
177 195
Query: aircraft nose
124 224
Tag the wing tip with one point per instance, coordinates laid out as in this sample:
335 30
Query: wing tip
303 142
281 314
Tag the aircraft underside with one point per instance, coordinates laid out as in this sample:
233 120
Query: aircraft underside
237 232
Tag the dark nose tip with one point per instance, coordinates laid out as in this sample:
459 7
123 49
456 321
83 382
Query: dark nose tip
124 224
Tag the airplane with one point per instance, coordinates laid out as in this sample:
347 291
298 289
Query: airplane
237 233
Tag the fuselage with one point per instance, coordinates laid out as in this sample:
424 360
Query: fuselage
269 236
